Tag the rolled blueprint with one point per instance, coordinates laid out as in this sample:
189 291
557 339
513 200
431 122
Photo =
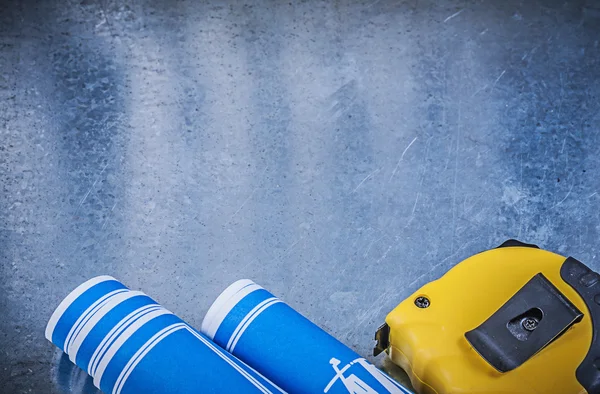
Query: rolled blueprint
284 346
130 344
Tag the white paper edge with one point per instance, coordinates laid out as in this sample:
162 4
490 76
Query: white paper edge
62 307
222 306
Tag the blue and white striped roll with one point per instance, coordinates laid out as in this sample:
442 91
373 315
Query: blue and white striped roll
261 330
130 344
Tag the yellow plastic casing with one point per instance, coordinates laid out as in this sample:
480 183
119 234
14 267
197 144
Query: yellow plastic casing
430 344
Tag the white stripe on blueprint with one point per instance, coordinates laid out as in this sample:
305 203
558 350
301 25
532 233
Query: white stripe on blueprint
87 315
116 331
249 318
142 351
221 300
116 345
68 300
228 299
112 303
162 334
237 367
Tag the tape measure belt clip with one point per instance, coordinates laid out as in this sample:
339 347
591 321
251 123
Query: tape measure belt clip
528 322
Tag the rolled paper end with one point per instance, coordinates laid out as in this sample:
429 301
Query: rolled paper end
68 300
129 344
224 304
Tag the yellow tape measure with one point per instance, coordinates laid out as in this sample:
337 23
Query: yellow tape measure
515 319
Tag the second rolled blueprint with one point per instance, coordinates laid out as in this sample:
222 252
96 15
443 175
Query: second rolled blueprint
284 346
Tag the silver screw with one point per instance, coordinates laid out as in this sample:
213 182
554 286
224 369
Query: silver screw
530 323
422 302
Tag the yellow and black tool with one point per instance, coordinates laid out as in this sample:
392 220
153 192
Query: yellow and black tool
515 319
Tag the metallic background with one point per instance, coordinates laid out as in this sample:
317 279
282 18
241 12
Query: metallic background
341 154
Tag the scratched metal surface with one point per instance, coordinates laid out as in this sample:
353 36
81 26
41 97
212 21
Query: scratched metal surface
341 154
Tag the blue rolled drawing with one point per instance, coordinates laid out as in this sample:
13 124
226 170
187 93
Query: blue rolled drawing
130 344
287 348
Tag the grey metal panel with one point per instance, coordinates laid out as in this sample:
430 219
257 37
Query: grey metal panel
341 154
